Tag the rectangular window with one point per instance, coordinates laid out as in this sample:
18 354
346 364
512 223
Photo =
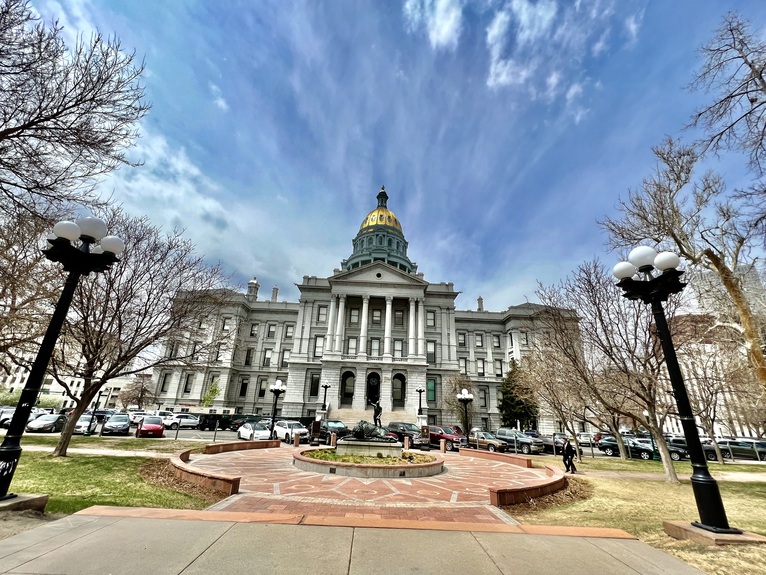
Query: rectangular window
376 313
271 330
225 324
217 354
165 382
266 358
253 330
285 358
262 385
463 365
461 339
319 346
431 351
499 367
479 340
398 317
289 330
188 382
496 341
249 356
243 386
480 366
483 395
510 340
431 390
524 338
375 347
314 385
195 347
353 315
398 346
430 319
352 346
322 314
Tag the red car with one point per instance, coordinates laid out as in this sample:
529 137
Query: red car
150 426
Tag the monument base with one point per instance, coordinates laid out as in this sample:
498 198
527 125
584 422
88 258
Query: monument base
368 448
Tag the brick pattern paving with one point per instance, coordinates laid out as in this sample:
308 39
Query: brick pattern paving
271 484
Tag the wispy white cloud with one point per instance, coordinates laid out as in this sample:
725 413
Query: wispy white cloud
218 98
633 26
534 19
442 20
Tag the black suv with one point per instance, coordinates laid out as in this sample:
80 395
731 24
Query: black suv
402 430
330 426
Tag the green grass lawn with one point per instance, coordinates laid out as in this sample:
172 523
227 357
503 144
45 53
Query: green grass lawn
121 443
79 481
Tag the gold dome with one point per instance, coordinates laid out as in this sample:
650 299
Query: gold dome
381 216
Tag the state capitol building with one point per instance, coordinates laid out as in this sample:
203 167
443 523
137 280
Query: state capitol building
374 330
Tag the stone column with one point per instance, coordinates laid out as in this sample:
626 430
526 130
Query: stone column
411 331
363 330
298 335
387 331
338 348
421 328
488 342
330 320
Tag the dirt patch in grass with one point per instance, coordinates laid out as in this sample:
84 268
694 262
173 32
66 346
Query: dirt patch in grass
575 490
160 472
15 522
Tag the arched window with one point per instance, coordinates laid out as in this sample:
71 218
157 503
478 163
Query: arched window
373 387
390 243
348 381
398 390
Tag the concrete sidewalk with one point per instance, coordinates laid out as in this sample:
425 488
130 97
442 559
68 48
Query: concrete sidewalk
94 542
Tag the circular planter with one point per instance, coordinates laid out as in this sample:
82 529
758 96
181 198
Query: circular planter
403 471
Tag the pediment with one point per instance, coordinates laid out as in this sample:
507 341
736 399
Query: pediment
378 273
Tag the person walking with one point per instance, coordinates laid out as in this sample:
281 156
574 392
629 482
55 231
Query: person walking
568 453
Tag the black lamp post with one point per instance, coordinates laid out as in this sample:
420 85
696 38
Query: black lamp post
93 413
465 398
638 282
277 388
420 389
325 386
78 261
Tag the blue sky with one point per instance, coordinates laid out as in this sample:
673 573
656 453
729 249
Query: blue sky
502 130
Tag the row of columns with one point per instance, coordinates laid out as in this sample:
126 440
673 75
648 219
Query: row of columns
337 321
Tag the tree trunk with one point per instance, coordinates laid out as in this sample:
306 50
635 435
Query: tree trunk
88 394
670 471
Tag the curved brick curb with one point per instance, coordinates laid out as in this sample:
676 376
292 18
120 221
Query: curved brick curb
511 495
367 470
228 484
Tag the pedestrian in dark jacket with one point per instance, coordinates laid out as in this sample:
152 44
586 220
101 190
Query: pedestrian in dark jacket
568 453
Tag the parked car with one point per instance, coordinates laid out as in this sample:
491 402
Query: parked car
238 421
636 449
738 449
213 421
136 416
586 439
150 426
177 420
286 429
48 422
452 439
485 440
118 424
518 441
330 426
6 414
86 425
403 429
253 431
532 433
555 444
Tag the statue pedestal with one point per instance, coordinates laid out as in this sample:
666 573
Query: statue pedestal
346 446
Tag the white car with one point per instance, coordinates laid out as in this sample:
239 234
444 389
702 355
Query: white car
287 429
181 420
86 424
136 416
253 431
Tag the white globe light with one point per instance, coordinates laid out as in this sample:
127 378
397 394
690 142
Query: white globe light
666 261
97 250
112 244
67 230
624 270
92 227
642 256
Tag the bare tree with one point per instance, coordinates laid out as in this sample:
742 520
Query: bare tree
140 392
118 320
733 72
701 223
613 361
66 116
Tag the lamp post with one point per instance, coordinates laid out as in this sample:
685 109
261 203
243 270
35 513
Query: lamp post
277 388
420 389
639 282
325 386
78 261
93 413
465 398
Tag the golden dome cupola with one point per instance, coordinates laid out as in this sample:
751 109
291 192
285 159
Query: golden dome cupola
380 238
